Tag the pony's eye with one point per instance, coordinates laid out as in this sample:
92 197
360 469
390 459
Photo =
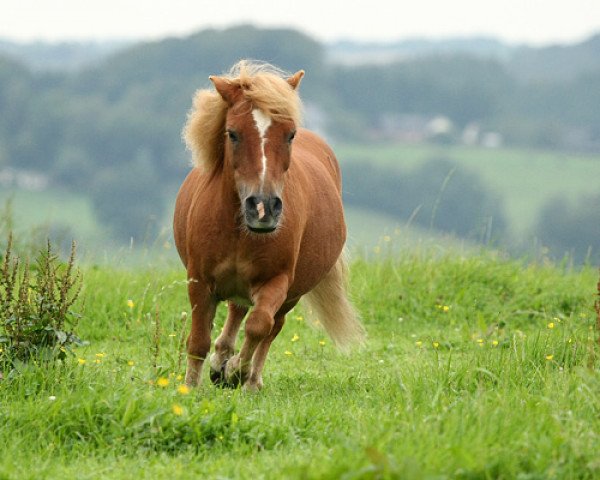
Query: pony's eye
291 136
233 136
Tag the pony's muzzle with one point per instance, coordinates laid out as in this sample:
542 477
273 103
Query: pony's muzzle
262 212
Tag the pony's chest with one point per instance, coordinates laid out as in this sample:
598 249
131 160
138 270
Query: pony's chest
233 278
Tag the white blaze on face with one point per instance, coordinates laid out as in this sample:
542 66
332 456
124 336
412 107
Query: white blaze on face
263 122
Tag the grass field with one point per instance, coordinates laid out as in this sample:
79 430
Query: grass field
475 367
524 179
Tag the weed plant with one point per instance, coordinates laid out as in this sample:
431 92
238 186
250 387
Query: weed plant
36 317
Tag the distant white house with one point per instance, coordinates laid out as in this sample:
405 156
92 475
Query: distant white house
473 135
23 179
412 128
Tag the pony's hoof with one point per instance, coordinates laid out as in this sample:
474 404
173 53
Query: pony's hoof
217 377
234 376
234 380
252 386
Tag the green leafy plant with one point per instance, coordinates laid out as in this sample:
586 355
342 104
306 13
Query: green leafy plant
36 319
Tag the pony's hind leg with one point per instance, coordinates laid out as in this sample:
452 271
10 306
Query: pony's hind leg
224 345
268 299
198 343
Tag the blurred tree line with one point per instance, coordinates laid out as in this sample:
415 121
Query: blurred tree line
112 130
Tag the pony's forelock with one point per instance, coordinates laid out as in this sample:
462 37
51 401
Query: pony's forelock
262 84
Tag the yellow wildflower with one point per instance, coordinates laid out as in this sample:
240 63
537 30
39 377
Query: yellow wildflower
97 361
551 325
177 409
322 343
419 343
130 303
287 352
131 363
183 389
549 357
295 338
480 342
494 343
100 355
179 377
162 382
81 361
436 345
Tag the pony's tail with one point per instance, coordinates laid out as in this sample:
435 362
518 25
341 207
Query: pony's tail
328 303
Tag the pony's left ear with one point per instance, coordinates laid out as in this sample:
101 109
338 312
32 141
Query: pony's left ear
295 79
226 88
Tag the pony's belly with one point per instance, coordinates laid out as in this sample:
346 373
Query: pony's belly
241 301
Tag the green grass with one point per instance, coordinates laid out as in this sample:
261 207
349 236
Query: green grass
461 378
525 179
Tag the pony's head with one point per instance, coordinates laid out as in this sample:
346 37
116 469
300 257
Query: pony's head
247 125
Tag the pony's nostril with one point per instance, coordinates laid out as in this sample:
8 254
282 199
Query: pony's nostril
251 204
276 206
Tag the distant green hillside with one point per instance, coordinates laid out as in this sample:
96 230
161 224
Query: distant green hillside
60 56
525 179
111 132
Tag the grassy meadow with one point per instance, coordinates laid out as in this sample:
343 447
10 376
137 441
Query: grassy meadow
476 367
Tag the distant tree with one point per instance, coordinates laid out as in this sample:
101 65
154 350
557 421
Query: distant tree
463 88
129 199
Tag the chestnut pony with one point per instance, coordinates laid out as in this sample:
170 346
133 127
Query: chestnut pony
258 222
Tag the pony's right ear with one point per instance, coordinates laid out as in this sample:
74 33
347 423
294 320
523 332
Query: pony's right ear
226 89
294 80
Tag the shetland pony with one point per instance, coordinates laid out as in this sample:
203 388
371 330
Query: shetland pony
258 223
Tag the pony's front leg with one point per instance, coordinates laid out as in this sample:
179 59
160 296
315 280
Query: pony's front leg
254 382
198 342
225 344
267 302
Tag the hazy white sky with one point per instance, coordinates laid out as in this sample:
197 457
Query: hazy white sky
529 21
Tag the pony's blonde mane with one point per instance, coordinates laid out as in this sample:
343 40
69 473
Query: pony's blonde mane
262 85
